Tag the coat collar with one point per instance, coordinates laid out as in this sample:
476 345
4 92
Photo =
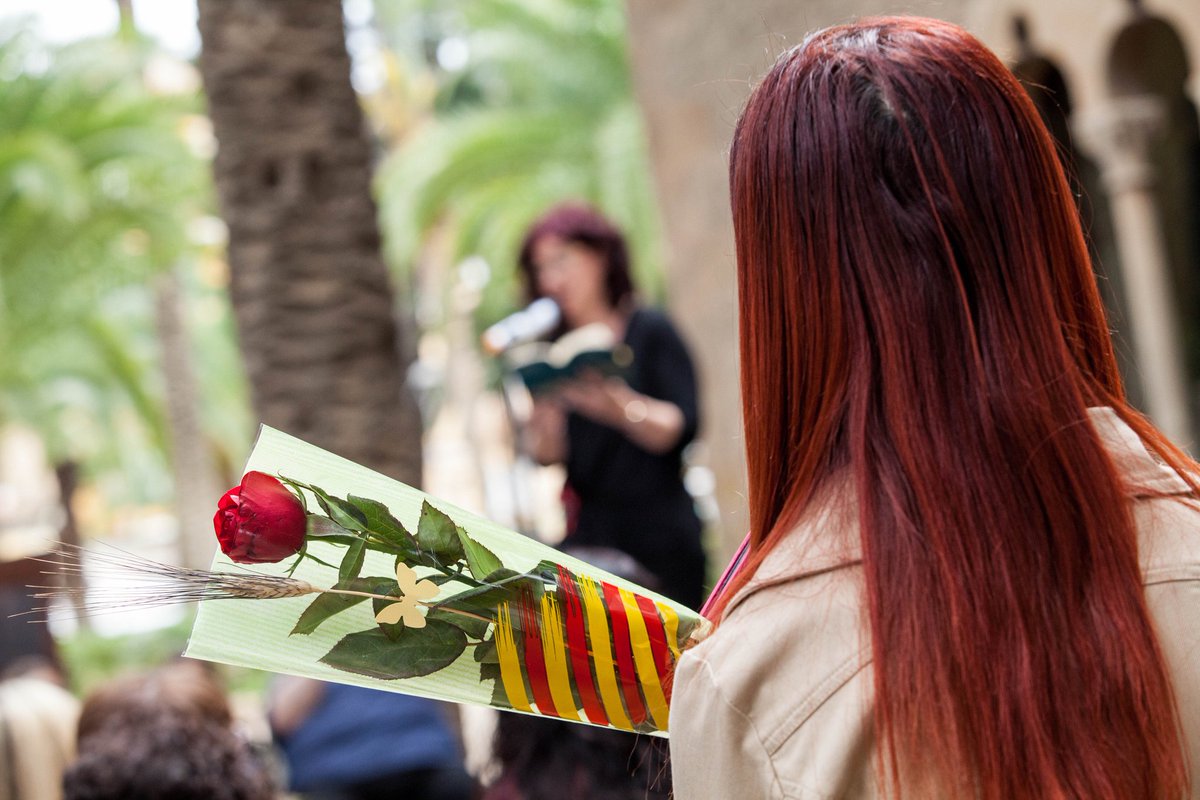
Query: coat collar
826 537
1144 475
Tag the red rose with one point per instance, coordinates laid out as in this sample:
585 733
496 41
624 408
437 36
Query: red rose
260 522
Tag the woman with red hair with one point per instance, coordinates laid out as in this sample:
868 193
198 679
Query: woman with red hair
973 569
621 439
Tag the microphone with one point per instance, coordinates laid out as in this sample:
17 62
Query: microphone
537 319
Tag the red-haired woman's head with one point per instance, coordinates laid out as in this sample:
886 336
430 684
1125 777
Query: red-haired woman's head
920 318
581 226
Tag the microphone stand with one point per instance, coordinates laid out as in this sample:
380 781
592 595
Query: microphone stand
517 408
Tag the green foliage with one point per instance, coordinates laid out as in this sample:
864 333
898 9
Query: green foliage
543 113
92 659
97 187
326 605
421 651
381 523
95 182
482 562
437 534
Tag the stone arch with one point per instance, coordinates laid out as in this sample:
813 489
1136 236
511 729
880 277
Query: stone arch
1147 57
1048 87
1148 61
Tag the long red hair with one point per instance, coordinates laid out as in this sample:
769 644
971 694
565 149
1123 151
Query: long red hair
919 316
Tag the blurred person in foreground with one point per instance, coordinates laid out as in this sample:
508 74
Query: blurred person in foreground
168 755
37 731
973 569
621 438
164 735
184 686
346 742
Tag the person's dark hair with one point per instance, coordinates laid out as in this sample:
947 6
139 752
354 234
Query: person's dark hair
169 755
190 687
919 318
583 225
546 759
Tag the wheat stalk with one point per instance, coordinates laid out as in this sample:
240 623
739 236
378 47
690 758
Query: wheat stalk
158 584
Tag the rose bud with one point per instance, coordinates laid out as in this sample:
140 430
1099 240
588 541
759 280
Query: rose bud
260 522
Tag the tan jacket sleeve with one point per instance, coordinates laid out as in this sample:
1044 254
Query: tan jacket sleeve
719 753
1175 606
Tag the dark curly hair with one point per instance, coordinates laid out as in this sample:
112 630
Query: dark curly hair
168 755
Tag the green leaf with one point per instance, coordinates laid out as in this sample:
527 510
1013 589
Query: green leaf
489 671
326 605
352 562
501 576
485 652
297 489
484 599
380 521
341 512
548 571
322 527
421 651
474 628
437 534
481 561
342 539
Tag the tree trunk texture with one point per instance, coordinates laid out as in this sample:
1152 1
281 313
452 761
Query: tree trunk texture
66 473
693 65
192 466
310 291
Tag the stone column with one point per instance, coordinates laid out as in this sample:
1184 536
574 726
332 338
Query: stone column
1120 137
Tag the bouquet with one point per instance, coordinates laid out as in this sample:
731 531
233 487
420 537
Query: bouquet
361 579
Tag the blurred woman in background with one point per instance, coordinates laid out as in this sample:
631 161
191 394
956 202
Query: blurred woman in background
621 438
973 569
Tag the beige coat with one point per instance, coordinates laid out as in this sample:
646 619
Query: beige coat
777 702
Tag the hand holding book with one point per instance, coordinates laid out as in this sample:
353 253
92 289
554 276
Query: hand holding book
545 366
652 424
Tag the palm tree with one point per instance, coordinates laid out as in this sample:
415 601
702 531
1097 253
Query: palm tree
293 172
543 112
95 188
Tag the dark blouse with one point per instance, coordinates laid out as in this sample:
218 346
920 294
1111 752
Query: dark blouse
631 499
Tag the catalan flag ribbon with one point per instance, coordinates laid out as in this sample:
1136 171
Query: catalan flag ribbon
592 647
374 583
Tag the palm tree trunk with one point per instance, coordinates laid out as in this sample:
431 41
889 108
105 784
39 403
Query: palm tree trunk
192 464
310 291
67 474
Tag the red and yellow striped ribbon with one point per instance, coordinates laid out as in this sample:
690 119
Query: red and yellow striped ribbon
626 671
535 662
512 673
641 642
671 627
577 648
592 646
555 651
658 644
602 656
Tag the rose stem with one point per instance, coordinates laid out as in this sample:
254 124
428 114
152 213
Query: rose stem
397 599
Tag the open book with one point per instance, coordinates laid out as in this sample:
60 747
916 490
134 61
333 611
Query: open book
543 364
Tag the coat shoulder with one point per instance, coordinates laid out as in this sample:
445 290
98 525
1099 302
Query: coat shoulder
790 668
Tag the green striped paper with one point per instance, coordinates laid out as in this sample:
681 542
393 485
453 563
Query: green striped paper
255 633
